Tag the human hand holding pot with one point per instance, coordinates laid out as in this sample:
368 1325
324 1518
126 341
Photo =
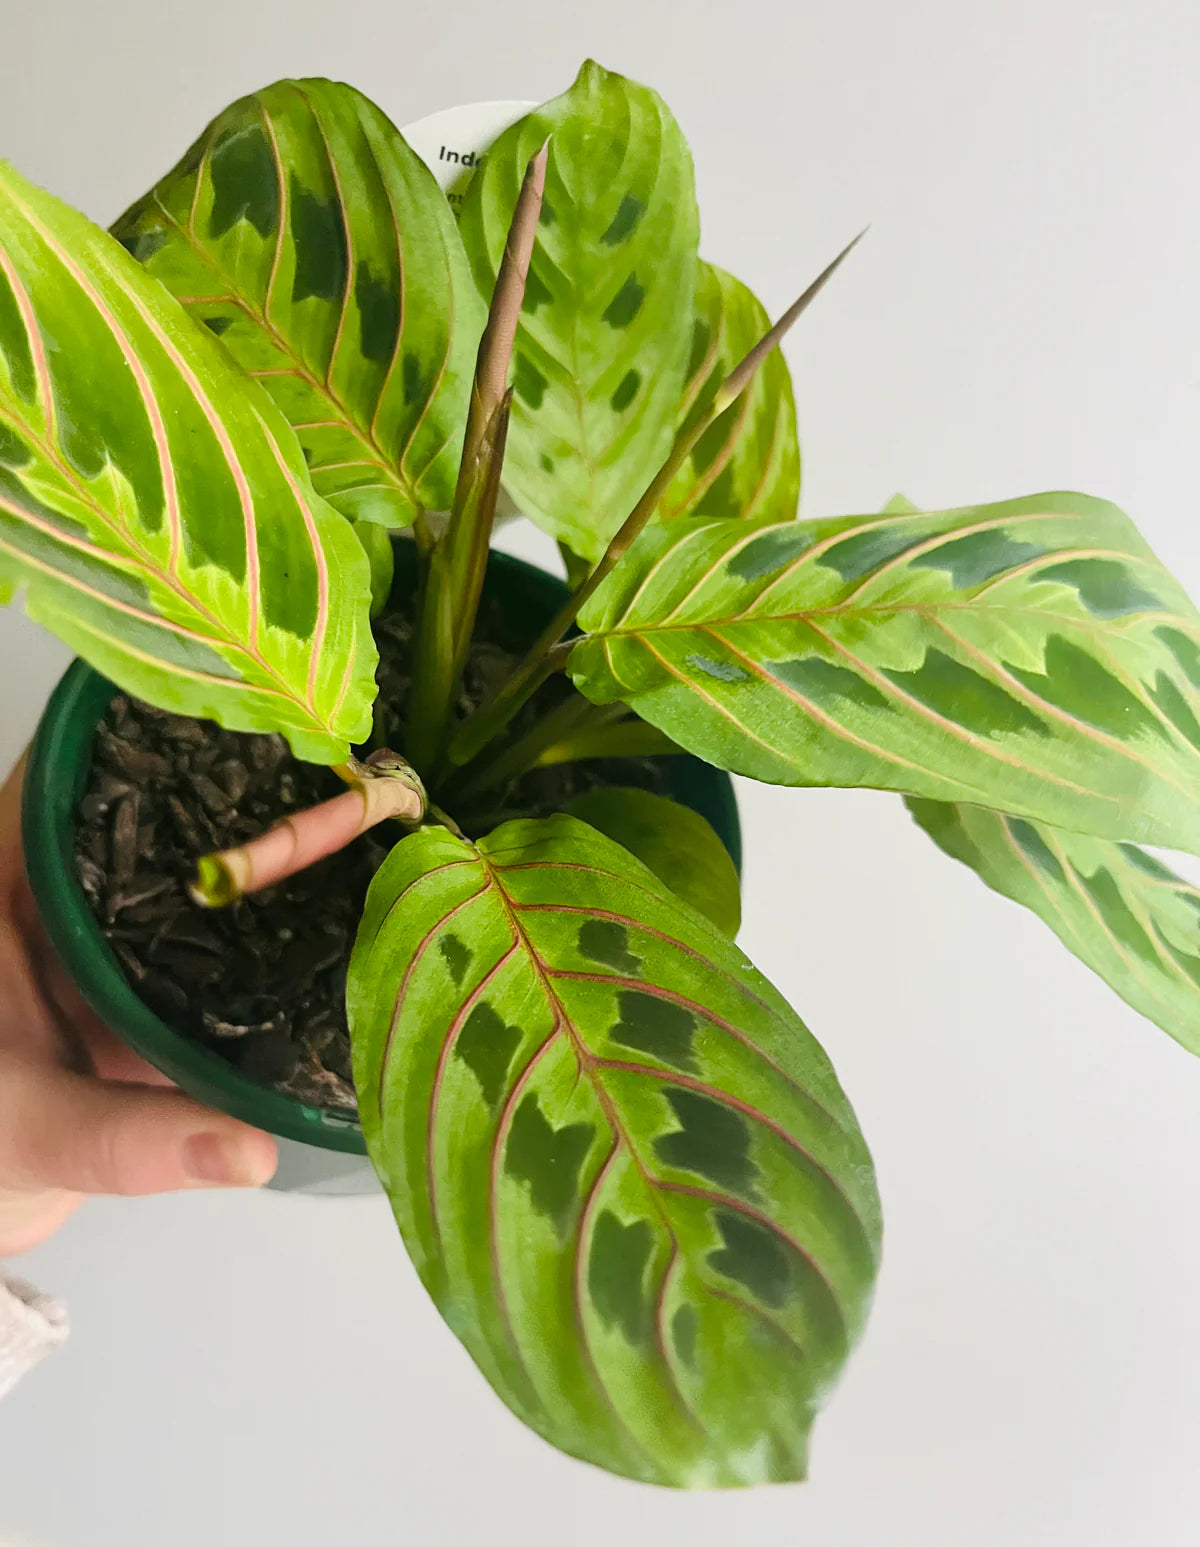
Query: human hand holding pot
79 1112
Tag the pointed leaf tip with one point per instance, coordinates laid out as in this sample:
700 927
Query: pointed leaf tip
739 378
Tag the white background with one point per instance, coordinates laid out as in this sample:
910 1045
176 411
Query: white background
247 1371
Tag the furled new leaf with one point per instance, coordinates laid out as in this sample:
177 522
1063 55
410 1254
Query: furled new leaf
601 359
1116 907
746 466
156 503
1033 656
624 1169
304 232
674 842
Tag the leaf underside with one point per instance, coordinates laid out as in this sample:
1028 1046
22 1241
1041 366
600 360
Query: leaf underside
1120 910
303 231
156 504
602 354
1032 656
746 466
624 1169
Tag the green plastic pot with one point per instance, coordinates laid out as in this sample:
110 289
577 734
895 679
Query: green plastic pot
319 1151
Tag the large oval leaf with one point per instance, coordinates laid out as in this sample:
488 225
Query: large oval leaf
624 1169
601 357
1117 908
1033 656
746 466
303 230
156 503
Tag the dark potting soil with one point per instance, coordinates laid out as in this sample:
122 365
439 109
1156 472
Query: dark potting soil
263 982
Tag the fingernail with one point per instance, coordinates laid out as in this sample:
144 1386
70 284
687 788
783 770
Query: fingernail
215 1158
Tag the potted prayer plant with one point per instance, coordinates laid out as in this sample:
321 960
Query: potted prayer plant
251 450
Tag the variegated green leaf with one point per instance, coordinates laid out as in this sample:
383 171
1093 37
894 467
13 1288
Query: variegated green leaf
601 359
1116 907
304 232
746 466
674 842
155 502
625 1171
1033 656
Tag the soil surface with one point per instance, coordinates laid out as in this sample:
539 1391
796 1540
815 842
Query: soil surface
263 982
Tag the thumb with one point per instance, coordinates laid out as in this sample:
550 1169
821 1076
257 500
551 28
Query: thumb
66 1131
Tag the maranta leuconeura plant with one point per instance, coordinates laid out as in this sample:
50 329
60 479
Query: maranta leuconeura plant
623 1167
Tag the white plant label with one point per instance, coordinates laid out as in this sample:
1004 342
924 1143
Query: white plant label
454 142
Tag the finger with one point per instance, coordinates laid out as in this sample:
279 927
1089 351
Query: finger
78 1026
29 1218
113 1060
61 1130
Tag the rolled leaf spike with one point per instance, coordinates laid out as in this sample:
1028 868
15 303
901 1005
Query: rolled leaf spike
382 788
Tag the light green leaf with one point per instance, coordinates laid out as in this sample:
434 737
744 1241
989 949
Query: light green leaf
304 232
625 1171
746 467
156 504
676 843
1117 908
1033 656
601 359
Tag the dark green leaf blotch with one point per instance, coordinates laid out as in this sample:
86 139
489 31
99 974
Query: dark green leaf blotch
655 1026
549 1159
616 1275
537 292
456 955
1118 916
486 1045
978 557
413 385
528 382
13 450
1076 682
701 338
627 390
1146 862
39 545
1185 650
770 552
1105 587
1173 704
857 556
628 214
1031 842
752 1256
319 236
378 302
683 1331
824 683
217 325
626 304
603 940
712 1141
245 182
143 242
15 344
965 697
